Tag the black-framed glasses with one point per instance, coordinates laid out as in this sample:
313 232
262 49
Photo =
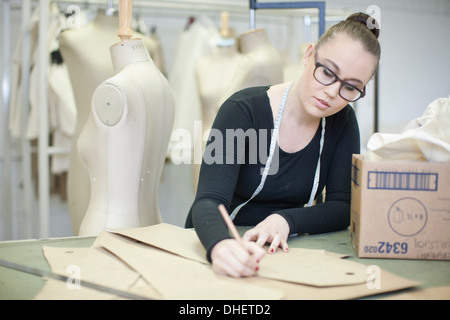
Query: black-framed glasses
327 77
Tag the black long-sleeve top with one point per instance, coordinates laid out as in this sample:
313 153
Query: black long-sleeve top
230 176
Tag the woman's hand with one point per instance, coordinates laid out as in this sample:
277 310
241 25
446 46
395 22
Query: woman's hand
274 230
236 259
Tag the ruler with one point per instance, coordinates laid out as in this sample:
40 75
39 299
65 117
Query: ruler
87 284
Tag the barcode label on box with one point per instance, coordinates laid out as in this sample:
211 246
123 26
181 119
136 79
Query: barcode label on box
414 181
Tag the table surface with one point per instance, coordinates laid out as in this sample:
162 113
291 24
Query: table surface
17 285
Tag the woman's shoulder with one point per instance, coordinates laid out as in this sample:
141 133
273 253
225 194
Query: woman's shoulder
251 103
249 93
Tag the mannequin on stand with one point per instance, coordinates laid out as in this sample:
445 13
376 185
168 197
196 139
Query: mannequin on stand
85 52
215 74
261 64
226 71
125 139
257 64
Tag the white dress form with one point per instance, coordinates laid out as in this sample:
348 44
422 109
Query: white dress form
261 63
215 74
195 43
124 142
257 64
86 54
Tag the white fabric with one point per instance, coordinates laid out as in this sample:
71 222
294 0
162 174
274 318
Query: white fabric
424 139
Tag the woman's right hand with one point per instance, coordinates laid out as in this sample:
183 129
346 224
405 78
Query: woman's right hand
236 259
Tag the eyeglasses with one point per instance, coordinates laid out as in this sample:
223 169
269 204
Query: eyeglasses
327 77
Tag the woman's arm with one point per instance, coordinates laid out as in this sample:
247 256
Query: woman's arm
218 175
217 181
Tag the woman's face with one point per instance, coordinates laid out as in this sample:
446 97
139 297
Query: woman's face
348 60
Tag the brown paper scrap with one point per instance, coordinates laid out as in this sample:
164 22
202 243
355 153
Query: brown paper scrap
179 278
64 261
311 267
180 241
293 291
95 265
122 262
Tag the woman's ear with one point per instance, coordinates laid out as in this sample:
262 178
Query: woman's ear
309 54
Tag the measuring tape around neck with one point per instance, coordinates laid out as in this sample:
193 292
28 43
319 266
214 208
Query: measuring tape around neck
273 142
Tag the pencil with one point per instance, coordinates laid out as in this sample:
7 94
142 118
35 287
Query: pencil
230 224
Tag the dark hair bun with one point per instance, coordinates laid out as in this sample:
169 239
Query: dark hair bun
367 21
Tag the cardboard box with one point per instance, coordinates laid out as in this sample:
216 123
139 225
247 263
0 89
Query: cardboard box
400 209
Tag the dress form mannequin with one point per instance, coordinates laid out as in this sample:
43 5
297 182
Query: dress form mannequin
261 65
125 139
196 42
215 75
85 51
258 64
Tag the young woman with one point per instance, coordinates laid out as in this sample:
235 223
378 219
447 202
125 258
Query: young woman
315 133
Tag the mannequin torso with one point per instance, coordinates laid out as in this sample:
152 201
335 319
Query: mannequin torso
257 64
85 51
263 64
215 74
124 142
